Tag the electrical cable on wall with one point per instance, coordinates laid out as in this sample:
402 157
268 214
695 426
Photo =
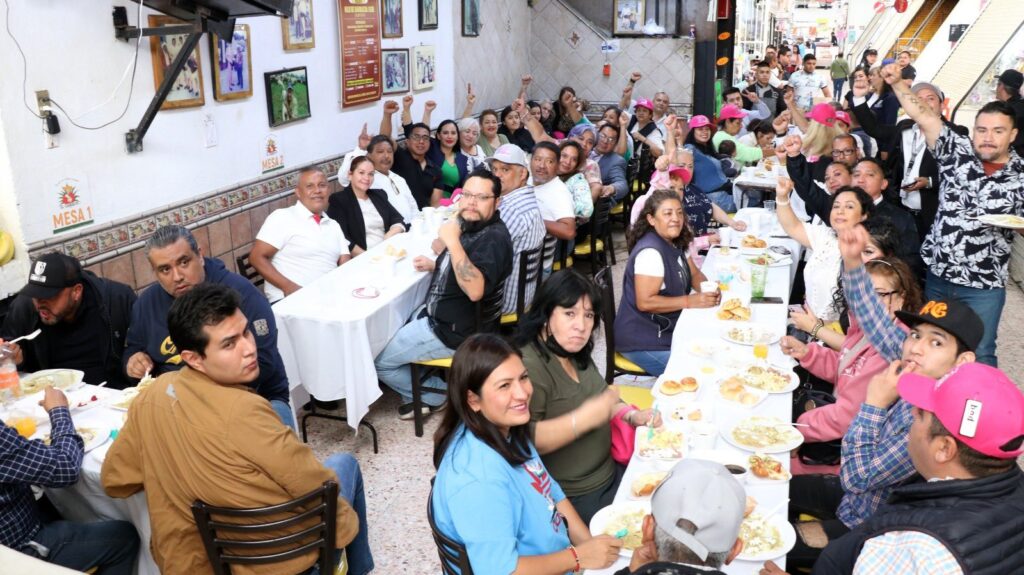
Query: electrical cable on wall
133 65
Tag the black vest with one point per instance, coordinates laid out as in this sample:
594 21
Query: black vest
981 521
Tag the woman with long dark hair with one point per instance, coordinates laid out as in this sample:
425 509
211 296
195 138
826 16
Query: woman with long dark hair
567 113
657 284
512 127
446 153
364 213
492 492
572 405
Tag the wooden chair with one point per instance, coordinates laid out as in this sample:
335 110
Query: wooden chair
615 363
531 269
256 531
454 559
598 245
246 270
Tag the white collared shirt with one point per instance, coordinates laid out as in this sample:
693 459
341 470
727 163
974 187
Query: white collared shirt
305 249
912 158
398 193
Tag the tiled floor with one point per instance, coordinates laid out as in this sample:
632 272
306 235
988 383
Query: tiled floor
397 480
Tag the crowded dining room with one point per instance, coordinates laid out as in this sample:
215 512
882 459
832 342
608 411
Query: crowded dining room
495 287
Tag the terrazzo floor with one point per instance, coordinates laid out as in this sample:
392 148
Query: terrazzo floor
397 480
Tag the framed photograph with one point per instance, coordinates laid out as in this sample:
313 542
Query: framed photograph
297 29
428 14
629 17
232 65
391 18
471 18
187 91
396 70
287 96
424 67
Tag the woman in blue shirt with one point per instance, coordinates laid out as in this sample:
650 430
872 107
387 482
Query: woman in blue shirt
492 493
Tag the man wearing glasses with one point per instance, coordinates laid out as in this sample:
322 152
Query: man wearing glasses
471 269
422 175
613 166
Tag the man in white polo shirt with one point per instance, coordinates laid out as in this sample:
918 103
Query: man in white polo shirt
296 245
553 198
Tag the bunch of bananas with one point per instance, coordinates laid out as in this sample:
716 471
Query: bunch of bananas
6 248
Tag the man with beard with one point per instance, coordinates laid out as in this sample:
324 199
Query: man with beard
83 321
967 258
470 271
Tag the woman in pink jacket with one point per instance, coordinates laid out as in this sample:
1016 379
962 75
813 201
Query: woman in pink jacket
852 367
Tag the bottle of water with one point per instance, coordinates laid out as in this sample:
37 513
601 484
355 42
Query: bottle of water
10 385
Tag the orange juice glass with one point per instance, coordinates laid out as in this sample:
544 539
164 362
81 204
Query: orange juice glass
761 351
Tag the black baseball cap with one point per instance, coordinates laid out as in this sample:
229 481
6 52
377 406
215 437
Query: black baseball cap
50 273
870 52
949 315
1012 79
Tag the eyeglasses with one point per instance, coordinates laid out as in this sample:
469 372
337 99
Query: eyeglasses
477 197
419 137
843 153
605 138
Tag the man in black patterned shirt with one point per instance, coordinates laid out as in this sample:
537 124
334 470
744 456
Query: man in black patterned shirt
968 249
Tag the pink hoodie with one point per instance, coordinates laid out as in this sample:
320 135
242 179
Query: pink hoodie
830 422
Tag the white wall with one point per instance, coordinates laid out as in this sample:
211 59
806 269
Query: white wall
72 52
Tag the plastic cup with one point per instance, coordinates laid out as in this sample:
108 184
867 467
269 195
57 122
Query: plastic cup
725 276
708 286
758 277
770 205
703 435
724 234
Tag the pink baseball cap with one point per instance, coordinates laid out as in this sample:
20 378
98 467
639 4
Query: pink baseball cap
823 114
644 103
978 404
699 121
730 111
681 173
843 117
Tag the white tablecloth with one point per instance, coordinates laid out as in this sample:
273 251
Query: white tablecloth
328 338
702 323
86 500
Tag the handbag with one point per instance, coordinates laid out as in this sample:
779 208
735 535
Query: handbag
817 453
623 437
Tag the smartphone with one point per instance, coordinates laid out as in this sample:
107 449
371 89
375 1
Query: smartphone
770 299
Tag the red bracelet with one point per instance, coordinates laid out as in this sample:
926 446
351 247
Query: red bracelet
576 557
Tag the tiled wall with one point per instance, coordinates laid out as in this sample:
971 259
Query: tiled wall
496 60
224 224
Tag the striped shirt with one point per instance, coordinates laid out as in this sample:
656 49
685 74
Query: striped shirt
24 463
521 213
899 552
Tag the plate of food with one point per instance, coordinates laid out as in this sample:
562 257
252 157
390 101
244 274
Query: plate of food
770 378
763 434
752 245
390 253
643 482
58 378
765 538
750 334
92 437
660 443
734 309
124 400
705 347
735 390
686 413
673 387
623 520
1008 221
766 469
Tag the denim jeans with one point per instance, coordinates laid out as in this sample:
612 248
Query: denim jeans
723 200
284 411
414 342
350 487
110 545
837 88
653 362
987 303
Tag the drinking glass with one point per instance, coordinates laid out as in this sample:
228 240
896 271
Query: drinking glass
758 277
761 351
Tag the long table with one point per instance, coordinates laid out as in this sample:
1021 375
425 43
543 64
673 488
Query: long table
328 337
697 324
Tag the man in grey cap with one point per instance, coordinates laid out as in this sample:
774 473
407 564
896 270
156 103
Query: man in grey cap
1008 90
694 524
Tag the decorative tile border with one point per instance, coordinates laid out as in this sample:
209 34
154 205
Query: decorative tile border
97 245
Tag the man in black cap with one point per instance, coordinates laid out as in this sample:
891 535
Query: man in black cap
83 318
1008 90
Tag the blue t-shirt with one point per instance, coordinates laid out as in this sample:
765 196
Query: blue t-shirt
497 511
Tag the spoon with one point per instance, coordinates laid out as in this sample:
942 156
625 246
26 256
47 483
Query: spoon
28 337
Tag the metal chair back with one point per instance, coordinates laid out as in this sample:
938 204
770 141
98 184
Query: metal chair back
246 270
531 269
454 559
603 279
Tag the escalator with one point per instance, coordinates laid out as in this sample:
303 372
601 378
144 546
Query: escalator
923 27
884 29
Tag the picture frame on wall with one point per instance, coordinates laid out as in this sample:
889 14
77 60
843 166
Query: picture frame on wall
470 18
395 64
391 18
232 64
297 30
187 91
428 14
287 96
629 17
424 67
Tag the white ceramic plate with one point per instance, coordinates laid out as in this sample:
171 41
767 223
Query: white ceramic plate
365 292
678 414
657 392
98 436
705 347
59 378
786 533
749 333
753 479
638 469
604 518
794 379
760 394
674 453
1008 221
794 439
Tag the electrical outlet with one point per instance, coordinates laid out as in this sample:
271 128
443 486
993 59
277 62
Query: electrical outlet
43 101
